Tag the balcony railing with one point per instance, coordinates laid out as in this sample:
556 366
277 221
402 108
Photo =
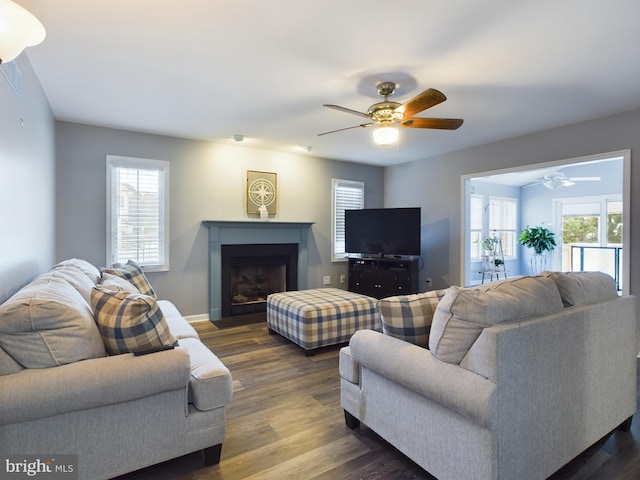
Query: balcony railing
595 258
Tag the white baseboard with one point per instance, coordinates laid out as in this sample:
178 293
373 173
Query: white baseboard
202 317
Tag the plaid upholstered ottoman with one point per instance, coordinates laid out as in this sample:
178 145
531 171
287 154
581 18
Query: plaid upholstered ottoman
319 317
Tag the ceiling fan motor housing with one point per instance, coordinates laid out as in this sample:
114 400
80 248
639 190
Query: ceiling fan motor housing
385 112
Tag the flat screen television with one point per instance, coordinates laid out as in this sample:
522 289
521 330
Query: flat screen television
382 231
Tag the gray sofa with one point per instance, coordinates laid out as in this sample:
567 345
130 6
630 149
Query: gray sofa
60 393
521 375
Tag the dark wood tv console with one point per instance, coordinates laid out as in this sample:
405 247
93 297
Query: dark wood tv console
382 277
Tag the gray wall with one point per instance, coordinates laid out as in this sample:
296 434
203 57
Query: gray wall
27 196
434 184
207 182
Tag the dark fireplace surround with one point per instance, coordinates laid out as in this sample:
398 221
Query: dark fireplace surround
250 272
252 232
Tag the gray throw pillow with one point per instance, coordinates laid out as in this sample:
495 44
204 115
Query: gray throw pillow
463 313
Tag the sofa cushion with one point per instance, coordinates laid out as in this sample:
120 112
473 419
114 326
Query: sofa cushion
178 326
211 385
132 272
129 322
48 323
583 288
83 266
76 278
463 313
114 282
408 317
7 364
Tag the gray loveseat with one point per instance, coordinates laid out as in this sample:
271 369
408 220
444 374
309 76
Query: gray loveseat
521 375
60 393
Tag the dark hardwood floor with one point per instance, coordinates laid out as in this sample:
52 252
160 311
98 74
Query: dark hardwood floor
285 422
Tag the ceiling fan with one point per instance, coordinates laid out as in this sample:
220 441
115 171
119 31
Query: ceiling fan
556 180
386 115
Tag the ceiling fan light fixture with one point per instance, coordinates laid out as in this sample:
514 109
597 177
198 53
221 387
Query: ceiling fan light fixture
553 183
385 134
18 29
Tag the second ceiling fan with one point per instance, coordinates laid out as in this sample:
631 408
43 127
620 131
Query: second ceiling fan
386 115
555 180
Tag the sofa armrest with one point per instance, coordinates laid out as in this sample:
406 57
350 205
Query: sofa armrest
211 385
38 393
349 368
416 368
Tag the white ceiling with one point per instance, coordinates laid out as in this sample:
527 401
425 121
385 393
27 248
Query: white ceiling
208 69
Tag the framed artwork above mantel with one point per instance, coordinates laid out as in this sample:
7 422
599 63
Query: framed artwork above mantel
262 189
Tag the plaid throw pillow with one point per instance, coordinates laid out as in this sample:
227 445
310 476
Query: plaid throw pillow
115 283
129 322
408 317
133 273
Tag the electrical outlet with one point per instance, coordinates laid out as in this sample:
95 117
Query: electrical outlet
343 279
428 281
327 279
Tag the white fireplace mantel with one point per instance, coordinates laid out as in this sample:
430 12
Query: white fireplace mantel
227 232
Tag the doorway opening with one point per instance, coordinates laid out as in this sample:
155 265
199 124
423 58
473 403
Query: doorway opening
542 191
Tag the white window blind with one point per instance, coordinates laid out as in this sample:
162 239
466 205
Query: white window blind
137 212
347 195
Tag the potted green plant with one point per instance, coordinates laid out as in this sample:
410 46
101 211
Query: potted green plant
489 244
541 240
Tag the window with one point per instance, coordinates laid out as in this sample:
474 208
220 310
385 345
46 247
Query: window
581 223
592 234
138 212
498 217
614 223
503 223
476 226
347 195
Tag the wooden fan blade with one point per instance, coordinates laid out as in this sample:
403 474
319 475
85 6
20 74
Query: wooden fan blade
348 128
441 123
427 99
347 110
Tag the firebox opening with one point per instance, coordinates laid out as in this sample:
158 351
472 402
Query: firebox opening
252 283
252 272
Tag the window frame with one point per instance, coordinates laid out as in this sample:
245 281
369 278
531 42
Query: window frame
475 245
112 163
489 202
513 232
337 216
